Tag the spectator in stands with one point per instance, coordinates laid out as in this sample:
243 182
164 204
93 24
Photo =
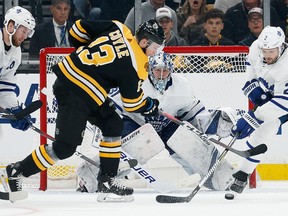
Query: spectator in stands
213 25
236 22
281 6
53 33
88 9
110 9
148 11
255 24
190 19
164 18
224 5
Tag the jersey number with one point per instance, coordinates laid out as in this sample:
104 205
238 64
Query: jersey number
106 55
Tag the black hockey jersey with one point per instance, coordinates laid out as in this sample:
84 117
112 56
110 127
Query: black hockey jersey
107 56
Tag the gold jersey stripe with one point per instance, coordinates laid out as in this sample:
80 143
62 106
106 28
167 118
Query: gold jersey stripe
73 79
81 30
109 155
37 162
132 109
110 144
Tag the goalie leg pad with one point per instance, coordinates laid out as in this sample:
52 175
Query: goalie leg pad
197 157
87 174
191 149
143 143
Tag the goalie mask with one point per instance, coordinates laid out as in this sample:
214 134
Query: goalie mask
160 69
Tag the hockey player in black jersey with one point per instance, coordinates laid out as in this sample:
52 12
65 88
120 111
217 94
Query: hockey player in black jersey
107 56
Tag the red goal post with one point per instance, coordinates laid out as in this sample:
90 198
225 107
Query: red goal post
209 68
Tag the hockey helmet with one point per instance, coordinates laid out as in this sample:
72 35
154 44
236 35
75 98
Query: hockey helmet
271 37
162 63
20 16
152 31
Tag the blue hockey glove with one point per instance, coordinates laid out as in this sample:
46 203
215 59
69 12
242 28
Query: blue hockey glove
246 125
151 107
21 124
255 93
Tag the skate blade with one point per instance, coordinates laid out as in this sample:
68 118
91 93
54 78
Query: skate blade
110 197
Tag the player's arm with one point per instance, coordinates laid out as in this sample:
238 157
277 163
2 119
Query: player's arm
8 99
83 31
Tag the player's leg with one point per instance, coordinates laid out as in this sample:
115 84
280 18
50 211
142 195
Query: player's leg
261 135
111 126
70 126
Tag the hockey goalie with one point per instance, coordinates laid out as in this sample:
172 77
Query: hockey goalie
145 137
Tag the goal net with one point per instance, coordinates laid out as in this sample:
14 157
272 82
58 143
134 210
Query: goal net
216 74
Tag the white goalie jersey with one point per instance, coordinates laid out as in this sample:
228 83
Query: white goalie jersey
9 62
178 100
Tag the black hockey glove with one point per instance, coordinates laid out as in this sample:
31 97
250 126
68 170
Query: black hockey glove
151 107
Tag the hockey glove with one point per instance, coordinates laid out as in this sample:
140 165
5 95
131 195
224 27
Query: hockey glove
21 124
151 107
255 93
246 125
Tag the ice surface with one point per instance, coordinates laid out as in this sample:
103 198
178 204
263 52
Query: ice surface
270 198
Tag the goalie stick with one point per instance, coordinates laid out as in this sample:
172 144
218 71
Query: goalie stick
26 111
246 154
176 199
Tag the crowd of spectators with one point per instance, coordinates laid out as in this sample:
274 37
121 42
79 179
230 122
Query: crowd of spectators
185 22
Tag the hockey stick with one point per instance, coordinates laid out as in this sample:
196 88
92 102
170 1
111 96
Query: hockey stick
248 153
143 173
26 111
175 199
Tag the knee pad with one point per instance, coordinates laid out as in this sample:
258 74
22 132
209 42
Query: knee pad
112 126
63 150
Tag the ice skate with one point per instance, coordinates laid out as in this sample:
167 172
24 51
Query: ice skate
13 190
14 177
240 182
110 190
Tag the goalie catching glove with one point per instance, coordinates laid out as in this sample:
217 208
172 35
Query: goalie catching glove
21 124
151 107
255 93
246 125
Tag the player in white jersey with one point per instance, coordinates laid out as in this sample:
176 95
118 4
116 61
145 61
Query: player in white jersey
176 97
19 24
266 87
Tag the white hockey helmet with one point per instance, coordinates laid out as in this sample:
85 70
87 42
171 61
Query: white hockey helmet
271 37
20 16
161 61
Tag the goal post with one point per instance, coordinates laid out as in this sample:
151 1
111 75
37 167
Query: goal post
216 73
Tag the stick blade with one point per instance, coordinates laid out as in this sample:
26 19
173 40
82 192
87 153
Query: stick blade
260 149
171 199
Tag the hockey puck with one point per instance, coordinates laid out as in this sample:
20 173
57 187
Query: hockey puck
229 196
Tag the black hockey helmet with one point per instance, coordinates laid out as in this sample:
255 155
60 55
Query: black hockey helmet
152 31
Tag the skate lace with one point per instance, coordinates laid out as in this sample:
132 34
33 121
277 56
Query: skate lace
18 181
117 184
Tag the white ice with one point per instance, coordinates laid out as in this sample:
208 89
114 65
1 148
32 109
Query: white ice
269 198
